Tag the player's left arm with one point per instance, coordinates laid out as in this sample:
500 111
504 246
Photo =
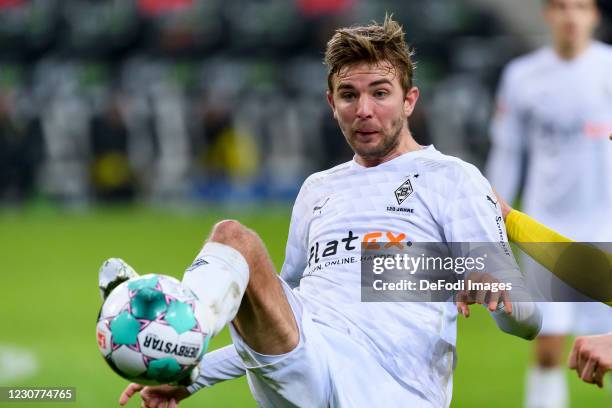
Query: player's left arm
472 216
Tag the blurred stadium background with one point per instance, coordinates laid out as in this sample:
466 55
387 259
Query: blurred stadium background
127 127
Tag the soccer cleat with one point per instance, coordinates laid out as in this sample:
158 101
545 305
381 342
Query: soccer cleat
113 272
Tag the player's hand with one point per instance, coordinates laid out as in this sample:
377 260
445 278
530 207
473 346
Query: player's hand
489 298
503 205
591 357
160 396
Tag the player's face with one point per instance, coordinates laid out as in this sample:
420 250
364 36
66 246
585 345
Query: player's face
372 109
572 21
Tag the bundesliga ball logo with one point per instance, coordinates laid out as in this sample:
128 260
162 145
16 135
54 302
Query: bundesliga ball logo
151 330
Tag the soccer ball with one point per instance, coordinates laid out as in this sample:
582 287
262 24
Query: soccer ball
153 330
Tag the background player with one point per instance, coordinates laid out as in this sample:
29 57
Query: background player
307 339
556 104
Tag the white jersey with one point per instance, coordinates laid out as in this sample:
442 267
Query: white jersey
444 200
421 196
561 112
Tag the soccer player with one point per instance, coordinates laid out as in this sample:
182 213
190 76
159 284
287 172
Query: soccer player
306 339
555 108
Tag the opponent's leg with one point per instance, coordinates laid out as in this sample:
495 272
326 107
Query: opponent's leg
234 273
550 350
546 382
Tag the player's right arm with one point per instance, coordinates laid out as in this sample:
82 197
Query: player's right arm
562 254
155 396
217 366
503 168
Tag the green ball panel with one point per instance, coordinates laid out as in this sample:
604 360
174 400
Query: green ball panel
148 304
164 370
125 329
180 317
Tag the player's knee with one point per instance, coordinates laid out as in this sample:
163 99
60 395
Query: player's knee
228 232
548 360
549 354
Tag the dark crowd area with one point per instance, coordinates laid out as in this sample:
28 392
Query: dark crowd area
178 100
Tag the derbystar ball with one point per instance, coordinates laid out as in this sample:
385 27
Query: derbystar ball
153 330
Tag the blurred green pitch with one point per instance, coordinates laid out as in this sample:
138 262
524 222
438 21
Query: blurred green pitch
49 303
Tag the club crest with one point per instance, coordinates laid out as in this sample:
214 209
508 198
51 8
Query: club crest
403 191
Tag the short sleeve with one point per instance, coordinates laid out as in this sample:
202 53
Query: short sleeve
296 251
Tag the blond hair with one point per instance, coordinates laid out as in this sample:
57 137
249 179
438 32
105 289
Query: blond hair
372 44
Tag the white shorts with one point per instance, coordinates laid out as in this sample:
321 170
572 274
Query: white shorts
326 369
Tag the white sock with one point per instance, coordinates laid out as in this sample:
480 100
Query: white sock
546 388
219 277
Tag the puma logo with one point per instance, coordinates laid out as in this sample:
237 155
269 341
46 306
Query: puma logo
320 207
492 202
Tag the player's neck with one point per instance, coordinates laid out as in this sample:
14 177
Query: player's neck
568 52
406 144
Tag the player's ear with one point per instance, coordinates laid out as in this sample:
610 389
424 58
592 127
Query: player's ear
410 100
332 104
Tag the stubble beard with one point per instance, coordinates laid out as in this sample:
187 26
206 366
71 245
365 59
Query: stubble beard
387 144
